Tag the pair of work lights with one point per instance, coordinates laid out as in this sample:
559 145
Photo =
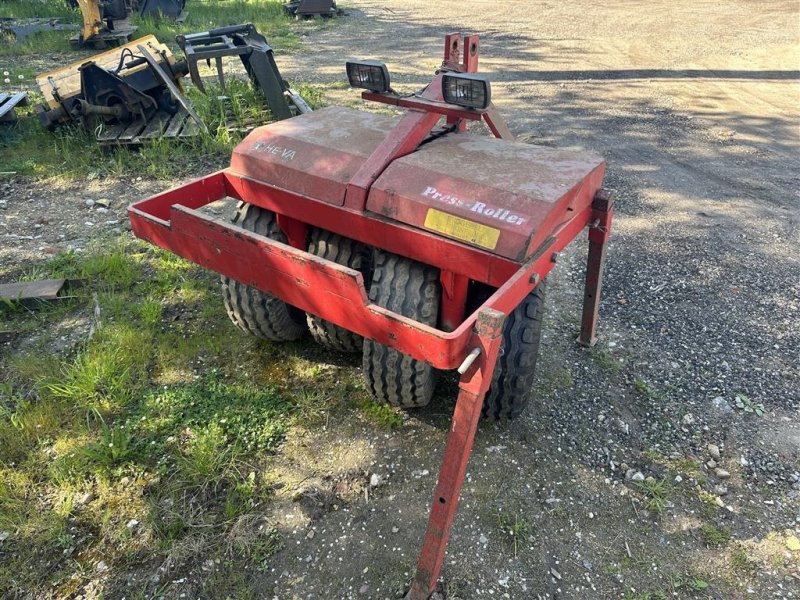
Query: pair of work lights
469 90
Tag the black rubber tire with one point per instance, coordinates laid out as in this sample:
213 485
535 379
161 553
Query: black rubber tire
253 311
413 290
512 382
357 256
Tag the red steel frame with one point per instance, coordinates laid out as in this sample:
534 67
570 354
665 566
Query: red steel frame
172 220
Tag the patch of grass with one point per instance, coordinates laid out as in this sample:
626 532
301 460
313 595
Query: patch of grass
715 536
605 359
741 562
108 373
253 539
211 414
26 9
658 492
115 446
514 526
383 415
709 501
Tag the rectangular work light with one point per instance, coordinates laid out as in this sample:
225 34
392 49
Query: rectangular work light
368 74
467 89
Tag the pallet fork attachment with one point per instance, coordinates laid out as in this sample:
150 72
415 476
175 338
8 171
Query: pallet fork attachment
257 57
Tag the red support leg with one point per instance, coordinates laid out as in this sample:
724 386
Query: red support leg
600 228
472 388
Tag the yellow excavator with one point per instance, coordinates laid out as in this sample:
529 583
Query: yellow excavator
106 22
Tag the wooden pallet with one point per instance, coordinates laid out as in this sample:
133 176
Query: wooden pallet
162 125
8 102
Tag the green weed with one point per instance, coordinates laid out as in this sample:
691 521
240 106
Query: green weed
514 526
383 415
114 447
605 359
741 562
658 494
713 535
745 404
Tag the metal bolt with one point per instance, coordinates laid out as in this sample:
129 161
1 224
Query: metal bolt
555 256
475 353
535 278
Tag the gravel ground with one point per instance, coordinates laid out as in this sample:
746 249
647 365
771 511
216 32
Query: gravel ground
695 107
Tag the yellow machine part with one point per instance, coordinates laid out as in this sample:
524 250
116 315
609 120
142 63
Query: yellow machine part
92 18
67 80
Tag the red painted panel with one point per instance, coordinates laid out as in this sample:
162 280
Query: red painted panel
314 154
523 191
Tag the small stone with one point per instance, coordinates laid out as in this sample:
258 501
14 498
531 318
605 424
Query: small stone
688 419
720 404
713 451
395 529
101 566
374 480
678 478
132 524
310 534
84 499
629 473
721 490
89 203
483 539
556 575
722 473
101 210
638 477
104 202
711 464
4 536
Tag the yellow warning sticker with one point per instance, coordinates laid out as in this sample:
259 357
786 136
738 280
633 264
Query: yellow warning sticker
462 229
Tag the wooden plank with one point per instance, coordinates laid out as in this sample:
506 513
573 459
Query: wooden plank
8 103
111 133
176 124
190 129
46 289
68 79
133 130
155 128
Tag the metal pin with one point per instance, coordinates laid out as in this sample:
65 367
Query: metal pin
474 353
